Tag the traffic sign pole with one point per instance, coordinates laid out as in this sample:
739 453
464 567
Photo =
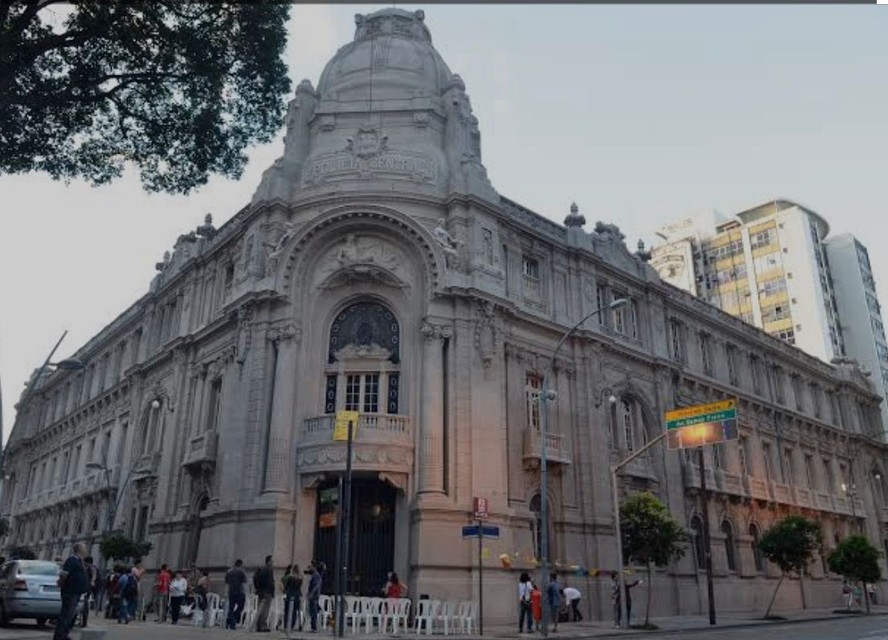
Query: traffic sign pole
707 543
480 581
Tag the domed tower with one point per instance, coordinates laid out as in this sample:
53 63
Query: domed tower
387 115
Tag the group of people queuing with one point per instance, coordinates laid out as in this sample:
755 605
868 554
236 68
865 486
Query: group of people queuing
563 602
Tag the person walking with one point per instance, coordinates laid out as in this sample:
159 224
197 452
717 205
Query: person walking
135 602
263 583
615 596
315 582
128 588
178 589
235 580
553 595
112 589
292 587
73 583
162 593
524 612
92 576
572 595
202 600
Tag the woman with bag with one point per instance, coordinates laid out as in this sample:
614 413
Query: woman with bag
524 613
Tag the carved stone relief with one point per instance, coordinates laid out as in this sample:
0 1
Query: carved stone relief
486 332
362 257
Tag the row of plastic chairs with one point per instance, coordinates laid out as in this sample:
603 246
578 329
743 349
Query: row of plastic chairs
458 617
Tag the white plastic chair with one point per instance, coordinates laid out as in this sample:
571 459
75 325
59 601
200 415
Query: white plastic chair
251 606
276 612
325 610
426 611
445 615
465 616
373 613
397 610
352 612
215 609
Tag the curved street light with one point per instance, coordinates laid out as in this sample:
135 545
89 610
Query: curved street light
546 397
120 491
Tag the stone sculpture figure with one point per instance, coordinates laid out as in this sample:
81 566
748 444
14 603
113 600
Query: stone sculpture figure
448 244
271 262
279 179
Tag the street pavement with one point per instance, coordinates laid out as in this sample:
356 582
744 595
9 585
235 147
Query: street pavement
801 625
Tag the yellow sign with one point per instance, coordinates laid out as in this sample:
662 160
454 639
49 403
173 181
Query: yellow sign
700 410
340 428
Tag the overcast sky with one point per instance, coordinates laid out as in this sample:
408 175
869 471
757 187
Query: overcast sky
641 114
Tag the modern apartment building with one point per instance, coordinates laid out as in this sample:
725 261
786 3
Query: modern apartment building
774 266
863 332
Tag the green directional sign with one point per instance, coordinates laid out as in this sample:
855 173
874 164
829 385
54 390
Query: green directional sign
702 424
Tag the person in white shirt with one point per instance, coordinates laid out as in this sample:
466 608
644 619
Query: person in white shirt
573 598
524 590
178 588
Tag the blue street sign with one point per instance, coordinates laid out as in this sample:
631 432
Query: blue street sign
486 531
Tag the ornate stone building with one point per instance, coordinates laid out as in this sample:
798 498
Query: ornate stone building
378 270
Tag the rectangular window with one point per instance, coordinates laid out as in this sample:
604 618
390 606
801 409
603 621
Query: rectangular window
330 395
766 455
530 267
143 523
75 465
677 340
121 445
632 313
533 386
394 389
828 474
705 353
716 456
353 392
754 373
214 405
809 471
731 353
744 456
371 393
815 398
601 299
788 470
761 239
628 426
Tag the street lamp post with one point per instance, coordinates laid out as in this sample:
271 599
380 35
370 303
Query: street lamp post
120 492
546 396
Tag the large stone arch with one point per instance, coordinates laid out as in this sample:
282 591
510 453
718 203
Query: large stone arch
306 246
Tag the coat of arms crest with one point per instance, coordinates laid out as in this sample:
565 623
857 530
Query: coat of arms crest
367 142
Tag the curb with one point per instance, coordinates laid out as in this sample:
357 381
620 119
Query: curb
720 627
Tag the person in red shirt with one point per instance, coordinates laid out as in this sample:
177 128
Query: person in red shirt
393 588
162 593
536 606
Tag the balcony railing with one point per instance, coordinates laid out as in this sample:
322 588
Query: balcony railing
371 427
201 450
555 451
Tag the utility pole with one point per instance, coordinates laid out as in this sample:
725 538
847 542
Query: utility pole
707 546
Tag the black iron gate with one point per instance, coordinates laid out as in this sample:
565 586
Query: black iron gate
371 535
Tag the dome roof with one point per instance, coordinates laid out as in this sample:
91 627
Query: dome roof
391 58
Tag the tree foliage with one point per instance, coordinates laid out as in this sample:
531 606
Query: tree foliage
180 89
121 547
22 553
856 559
650 536
790 544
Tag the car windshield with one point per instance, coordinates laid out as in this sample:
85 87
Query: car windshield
38 568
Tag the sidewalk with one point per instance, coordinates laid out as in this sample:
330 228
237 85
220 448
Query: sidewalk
569 631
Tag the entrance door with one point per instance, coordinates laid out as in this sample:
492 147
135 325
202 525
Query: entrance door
371 535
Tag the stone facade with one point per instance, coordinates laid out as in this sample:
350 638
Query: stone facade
377 269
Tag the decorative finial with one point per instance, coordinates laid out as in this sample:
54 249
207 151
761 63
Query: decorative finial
208 219
574 218
641 253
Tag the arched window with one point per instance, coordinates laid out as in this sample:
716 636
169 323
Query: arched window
363 360
730 549
756 551
699 549
628 421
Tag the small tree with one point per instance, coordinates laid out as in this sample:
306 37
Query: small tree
22 553
650 536
857 560
121 547
790 544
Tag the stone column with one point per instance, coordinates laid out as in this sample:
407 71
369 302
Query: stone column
431 462
285 339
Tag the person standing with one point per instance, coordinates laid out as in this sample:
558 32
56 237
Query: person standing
202 601
178 589
536 605
263 583
162 593
292 584
553 595
128 587
135 602
615 596
235 580
73 583
524 613
314 596
573 596
92 577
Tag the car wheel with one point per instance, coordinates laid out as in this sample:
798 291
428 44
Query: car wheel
41 622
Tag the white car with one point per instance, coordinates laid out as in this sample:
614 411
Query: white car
29 589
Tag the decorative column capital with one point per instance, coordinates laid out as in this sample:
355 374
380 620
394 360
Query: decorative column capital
284 333
432 331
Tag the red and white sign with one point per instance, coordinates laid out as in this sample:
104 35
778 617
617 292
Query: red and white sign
480 508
